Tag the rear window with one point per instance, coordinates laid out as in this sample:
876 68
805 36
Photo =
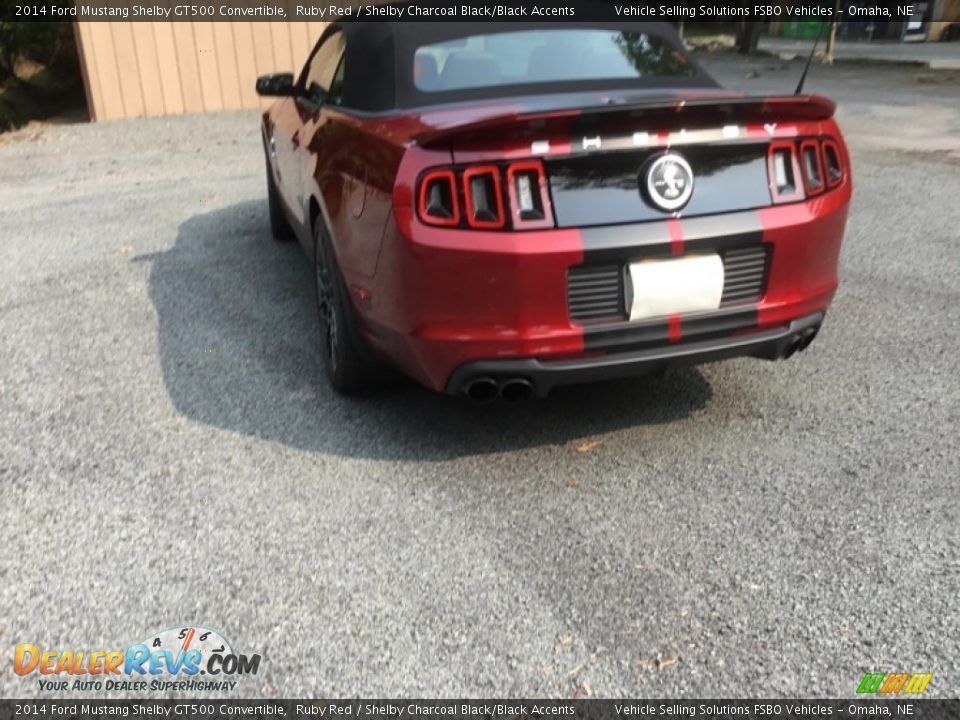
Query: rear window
545 56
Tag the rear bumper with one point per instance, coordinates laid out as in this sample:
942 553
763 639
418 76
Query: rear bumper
499 301
771 344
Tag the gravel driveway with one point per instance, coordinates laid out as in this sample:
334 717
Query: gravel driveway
170 454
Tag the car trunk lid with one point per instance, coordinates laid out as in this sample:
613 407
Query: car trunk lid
596 157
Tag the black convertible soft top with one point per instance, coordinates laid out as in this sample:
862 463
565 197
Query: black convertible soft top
379 57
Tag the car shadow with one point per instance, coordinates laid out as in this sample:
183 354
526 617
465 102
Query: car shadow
238 346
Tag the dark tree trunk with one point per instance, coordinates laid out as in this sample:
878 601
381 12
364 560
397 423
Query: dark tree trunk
748 36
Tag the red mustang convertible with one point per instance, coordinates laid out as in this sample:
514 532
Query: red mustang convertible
500 208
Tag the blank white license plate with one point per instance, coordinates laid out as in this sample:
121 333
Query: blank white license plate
677 285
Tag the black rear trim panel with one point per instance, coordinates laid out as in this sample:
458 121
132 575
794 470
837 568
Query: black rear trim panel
545 375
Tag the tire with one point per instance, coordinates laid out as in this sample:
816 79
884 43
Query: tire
348 362
279 226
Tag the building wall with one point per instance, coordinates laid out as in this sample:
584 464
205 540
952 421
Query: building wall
141 69
949 13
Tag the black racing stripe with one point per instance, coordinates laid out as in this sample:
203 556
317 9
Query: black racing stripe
718 325
625 336
723 243
723 225
621 243
622 248
632 242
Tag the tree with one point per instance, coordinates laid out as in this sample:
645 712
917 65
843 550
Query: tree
37 41
832 35
748 36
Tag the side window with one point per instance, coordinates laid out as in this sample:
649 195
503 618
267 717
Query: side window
335 95
322 68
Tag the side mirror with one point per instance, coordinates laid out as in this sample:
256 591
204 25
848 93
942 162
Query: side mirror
275 85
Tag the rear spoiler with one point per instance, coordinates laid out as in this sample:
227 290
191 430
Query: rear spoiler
655 115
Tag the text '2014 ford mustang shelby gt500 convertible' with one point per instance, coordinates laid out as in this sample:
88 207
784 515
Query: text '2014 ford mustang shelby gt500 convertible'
500 208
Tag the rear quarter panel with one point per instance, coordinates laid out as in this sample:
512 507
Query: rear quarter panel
350 172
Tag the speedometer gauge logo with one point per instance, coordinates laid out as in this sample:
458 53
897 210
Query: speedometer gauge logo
185 639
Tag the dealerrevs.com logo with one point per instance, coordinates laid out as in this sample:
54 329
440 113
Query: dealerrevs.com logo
180 659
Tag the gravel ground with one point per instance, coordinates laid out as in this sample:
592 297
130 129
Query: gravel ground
170 454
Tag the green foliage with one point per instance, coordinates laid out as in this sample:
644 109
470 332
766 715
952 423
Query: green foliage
41 42
39 70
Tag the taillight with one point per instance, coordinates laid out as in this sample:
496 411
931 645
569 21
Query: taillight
483 197
479 189
438 200
784 173
811 167
803 168
529 198
831 163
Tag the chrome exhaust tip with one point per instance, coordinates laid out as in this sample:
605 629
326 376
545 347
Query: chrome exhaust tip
483 389
516 390
792 347
808 338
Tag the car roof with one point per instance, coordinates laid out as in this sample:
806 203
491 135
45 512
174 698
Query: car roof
379 59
